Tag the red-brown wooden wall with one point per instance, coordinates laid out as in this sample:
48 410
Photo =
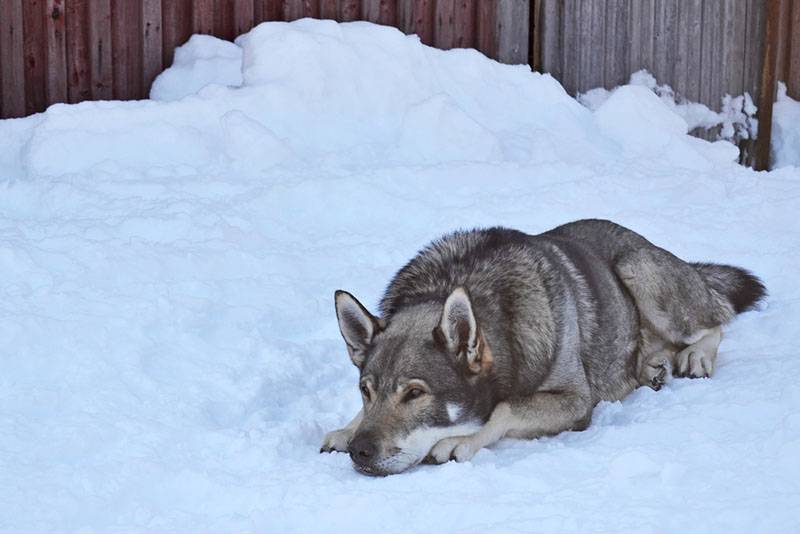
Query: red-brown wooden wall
73 50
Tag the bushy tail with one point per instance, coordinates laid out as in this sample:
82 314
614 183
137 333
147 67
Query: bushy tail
741 287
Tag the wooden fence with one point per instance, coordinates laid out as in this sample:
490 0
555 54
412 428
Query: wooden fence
74 50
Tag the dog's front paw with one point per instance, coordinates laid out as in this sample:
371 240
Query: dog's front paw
459 448
695 362
338 440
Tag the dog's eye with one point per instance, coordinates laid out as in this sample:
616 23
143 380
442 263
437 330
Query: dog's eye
413 393
365 391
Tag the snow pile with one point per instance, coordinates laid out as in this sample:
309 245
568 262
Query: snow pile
170 355
785 130
203 60
737 118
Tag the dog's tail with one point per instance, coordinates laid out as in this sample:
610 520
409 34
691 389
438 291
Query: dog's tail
738 286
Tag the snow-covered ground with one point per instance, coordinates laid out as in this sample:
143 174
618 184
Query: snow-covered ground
170 356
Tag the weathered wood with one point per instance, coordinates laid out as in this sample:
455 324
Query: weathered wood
616 44
570 45
664 40
126 53
512 17
550 36
380 11
418 17
328 9
79 77
101 68
12 68
793 71
688 65
733 37
151 42
767 88
753 44
203 16
176 21
464 24
243 17
710 79
55 17
349 10
486 27
444 32
35 57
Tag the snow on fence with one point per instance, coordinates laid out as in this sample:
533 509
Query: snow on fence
74 50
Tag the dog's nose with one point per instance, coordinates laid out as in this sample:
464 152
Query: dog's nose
362 449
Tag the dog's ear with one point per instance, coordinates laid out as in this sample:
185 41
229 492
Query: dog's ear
458 331
357 325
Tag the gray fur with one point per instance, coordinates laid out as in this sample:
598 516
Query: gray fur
536 331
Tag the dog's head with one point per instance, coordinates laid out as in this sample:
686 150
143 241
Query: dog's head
424 376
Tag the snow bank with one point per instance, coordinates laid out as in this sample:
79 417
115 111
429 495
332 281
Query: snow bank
736 120
785 130
170 354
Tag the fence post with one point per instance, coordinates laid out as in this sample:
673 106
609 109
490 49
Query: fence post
767 90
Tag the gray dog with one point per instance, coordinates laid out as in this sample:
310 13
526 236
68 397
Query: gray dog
494 333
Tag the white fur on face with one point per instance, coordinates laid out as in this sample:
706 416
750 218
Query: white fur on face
453 411
416 446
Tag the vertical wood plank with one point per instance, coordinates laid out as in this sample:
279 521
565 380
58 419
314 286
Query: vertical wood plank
176 21
35 61
665 42
585 55
349 10
243 17
444 33
616 65
328 9
79 78
423 17
223 19
513 25
793 76
690 42
464 20
754 42
767 81
380 11
101 68
641 27
12 67
550 27
203 16
268 10
595 68
151 42
570 45
126 53
297 9
55 17
733 37
486 27
710 69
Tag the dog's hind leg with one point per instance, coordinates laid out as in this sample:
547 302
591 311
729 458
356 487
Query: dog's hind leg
338 440
542 414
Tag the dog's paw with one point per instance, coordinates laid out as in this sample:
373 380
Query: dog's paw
695 362
460 449
655 374
338 440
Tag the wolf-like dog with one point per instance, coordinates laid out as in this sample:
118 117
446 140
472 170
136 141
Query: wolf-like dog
494 333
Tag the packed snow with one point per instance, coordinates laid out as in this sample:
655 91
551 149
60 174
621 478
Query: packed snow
785 130
171 359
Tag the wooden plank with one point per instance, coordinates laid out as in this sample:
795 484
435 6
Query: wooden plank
753 43
550 34
711 68
513 26
328 9
126 53
665 42
444 33
176 21
55 24
734 20
243 17
793 76
596 41
486 28
349 10
203 16
767 90
223 19
641 28
464 21
585 52
33 37
690 41
380 11
151 42
12 67
423 19
100 66
615 70
297 9
79 78
570 45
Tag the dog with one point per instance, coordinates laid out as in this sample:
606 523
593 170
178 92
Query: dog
495 333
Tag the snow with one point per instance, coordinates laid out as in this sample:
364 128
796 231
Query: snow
170 354
785 130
